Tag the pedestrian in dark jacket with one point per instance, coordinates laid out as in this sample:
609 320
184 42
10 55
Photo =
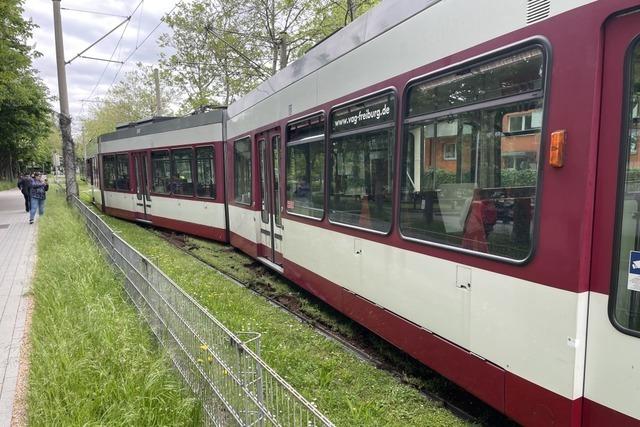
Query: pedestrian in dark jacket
39 188
24 184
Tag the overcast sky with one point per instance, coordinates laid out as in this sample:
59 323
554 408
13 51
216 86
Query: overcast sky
82 29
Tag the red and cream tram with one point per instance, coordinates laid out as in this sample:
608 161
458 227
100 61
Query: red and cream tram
167 172
460 177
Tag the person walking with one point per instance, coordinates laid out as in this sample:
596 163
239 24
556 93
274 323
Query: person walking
24 184
39 188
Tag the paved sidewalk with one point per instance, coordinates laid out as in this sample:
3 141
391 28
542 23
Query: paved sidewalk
17 250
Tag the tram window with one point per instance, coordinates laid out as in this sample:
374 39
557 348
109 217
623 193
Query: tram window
181 181
161 167
122 178
109 171
205 167
305 167
96 172
625 292
471 176
361 168
242 170
116 171
511 76
275 151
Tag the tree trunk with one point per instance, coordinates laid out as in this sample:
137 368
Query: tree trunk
11 177
69 157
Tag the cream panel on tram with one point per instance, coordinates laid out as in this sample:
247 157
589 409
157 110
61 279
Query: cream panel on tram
116 200
293 99
195 135
194 211
537 335
419 40
244 222
613 362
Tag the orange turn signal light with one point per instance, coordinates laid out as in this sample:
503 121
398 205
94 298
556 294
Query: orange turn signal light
556 153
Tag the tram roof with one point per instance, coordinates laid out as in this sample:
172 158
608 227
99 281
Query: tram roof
163 124
383 17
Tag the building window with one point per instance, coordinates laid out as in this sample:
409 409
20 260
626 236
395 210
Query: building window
624 298
305 167
181 182
449 151
242 163
161 171
361 168
484 201
205 167
529 122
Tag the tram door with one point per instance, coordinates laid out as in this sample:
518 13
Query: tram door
143 199
271 221
612 374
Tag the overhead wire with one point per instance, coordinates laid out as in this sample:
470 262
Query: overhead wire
114 50
92 12
139 46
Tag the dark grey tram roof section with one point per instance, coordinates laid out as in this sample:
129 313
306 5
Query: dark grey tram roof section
375 22
163 124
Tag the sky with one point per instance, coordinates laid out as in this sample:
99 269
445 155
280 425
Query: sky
89 80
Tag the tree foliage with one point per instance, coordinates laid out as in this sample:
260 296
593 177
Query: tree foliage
25 117
130 100
224 48
221 49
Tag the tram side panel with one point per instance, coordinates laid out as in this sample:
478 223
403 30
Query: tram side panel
242 194
516 335
174 179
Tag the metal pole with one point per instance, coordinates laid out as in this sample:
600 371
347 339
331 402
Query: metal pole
156 79
68 149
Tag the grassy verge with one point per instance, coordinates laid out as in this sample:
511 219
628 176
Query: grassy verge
349 391
7 185
93 361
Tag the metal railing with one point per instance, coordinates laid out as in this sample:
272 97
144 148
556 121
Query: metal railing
235 386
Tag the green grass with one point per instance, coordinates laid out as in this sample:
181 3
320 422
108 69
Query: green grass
349 391
93 361
7 185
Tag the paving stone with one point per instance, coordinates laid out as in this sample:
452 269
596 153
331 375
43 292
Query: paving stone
17 250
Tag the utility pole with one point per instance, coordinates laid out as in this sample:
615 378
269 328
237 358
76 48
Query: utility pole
156 79
68 149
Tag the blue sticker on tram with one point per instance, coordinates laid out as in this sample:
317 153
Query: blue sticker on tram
633 282
634 262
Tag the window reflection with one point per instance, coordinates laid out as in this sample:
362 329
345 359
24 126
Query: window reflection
242 171
305 167
626 289
361 169
470 175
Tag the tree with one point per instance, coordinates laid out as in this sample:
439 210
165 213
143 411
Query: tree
212 63
225 48
130 100
25 117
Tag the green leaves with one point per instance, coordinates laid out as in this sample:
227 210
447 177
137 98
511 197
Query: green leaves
25 120
130 100
225 48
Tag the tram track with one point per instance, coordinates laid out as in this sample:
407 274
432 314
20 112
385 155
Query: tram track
365 353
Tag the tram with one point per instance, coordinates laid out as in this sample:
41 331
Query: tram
460 177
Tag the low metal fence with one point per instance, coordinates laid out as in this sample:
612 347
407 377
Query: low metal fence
235 385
